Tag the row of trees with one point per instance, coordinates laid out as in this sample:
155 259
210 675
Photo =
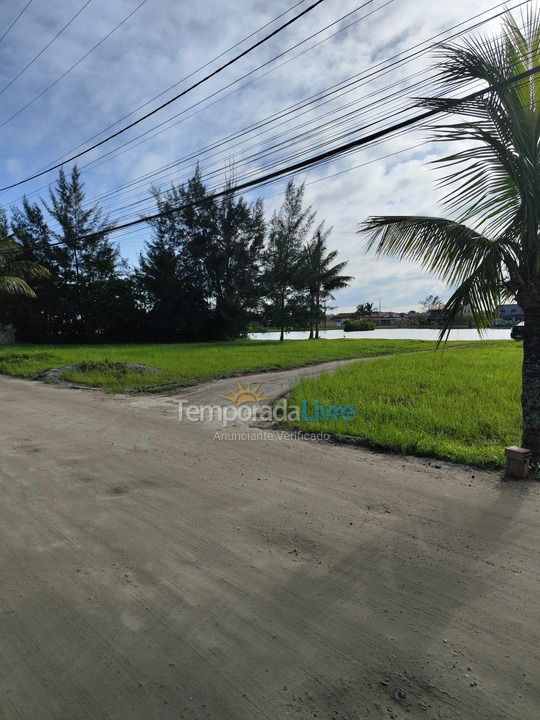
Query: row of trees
210 269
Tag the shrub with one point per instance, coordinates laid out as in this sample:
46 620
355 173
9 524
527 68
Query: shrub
355 325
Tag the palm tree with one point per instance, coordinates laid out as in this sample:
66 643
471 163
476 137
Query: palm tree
491 250
432 302
15 273
365 309
322 278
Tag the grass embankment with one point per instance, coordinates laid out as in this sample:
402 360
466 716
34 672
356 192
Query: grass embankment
461 405
186 362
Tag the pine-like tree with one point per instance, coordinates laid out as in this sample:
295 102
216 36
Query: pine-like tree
234 264
80 299
172 274
199 273
284 260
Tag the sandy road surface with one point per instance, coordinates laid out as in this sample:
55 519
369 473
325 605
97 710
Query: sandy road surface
149 571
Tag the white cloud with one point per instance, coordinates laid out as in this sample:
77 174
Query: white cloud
166 40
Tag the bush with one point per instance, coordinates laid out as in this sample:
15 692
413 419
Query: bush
355 325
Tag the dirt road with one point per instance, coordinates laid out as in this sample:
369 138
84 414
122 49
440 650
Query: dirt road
150 571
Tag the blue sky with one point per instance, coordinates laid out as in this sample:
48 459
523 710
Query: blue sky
162 42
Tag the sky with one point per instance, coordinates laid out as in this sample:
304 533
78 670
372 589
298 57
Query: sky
161 42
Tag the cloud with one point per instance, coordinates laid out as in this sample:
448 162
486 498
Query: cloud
166 40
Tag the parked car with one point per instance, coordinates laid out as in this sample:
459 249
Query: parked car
518 331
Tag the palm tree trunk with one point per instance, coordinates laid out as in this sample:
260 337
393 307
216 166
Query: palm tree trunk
530 395
282 316
317 314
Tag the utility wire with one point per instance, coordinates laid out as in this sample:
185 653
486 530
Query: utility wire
352 168
352 83
48 45
343 87
186 77
173 99
284 139
324 156
361 76
248 74
116 150
151 130
315 132
72 67
294 108
14 22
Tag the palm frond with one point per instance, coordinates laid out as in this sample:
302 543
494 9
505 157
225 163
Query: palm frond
496 173
481 292
446 248
26 269
10 285
14 273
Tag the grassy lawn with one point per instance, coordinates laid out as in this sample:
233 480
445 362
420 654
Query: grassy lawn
461 405
187 362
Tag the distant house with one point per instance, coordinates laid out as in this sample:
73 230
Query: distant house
339 318
387 319
382 319
511 313
435 314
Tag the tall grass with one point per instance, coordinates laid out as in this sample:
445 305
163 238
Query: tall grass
461 404
181 363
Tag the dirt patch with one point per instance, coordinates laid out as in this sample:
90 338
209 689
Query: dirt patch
151 571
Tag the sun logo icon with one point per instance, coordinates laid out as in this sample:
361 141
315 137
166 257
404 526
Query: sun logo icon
247 394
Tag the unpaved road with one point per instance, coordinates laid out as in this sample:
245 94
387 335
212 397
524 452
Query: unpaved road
152 572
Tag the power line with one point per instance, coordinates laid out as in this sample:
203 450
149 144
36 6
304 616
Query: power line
332 175
258 180
352 82
267 166
311 182
237 80
315 132
305 103
341 88
233 82
48 45
284 139
150 130
72 67
14 22
175 98
186 77
328 154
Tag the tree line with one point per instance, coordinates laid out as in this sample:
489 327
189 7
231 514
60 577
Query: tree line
211 268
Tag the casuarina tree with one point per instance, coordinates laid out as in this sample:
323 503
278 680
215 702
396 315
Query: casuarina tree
70 238
284 260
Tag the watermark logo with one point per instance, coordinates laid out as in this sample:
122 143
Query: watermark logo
243 395
249 403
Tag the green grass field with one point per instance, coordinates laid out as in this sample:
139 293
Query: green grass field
461 405
187 362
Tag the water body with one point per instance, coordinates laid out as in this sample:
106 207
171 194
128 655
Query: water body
391 334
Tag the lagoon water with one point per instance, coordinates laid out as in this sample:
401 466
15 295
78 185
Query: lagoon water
391 334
